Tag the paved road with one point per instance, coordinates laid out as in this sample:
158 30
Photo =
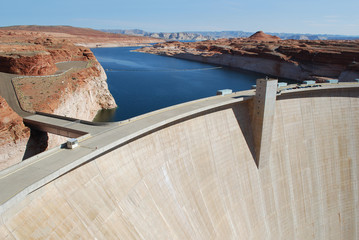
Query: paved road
7 91
64 66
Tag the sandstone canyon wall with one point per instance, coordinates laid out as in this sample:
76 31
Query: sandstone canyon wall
50 75
86 100
13 136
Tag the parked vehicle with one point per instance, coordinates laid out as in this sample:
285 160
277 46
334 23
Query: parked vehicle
72 143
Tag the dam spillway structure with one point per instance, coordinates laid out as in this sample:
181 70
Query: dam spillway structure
199 170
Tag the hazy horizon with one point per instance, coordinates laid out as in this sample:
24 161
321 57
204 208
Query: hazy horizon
277 16
229 31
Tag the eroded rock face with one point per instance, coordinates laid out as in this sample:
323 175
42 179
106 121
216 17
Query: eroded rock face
13 136
78 93
56 77
90 87
28 63
37 56
293 59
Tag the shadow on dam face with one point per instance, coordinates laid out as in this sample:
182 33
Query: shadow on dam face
196 179
244 118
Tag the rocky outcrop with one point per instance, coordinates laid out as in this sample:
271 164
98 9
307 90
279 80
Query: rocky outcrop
13 136
92 91
292 59
27 63
39 56
79 93
261 36
86 97
57 77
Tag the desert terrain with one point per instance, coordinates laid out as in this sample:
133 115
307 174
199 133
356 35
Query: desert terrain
292 59
83 36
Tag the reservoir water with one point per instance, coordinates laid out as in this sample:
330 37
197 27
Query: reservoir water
141 83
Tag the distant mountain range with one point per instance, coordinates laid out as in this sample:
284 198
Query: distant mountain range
185 36
199 36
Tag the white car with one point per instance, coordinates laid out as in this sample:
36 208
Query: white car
72 143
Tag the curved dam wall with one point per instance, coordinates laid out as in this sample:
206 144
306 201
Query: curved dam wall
197 179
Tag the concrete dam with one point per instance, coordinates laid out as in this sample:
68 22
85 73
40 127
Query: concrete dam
211 169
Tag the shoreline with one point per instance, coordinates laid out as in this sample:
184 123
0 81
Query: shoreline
290 59
112 45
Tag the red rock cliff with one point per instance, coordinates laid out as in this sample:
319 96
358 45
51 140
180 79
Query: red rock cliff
37 56
28 63
57 77
13 136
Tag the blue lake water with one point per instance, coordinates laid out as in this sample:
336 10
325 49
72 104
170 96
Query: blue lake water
141 83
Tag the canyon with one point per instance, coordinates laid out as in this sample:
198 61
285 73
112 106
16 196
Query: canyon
14 136
51 71
290 59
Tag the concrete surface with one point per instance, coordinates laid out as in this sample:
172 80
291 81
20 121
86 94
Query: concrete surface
188 172
263 115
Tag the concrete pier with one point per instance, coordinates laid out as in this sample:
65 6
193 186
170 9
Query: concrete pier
263 115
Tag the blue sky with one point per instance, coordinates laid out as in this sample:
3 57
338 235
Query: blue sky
304 16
